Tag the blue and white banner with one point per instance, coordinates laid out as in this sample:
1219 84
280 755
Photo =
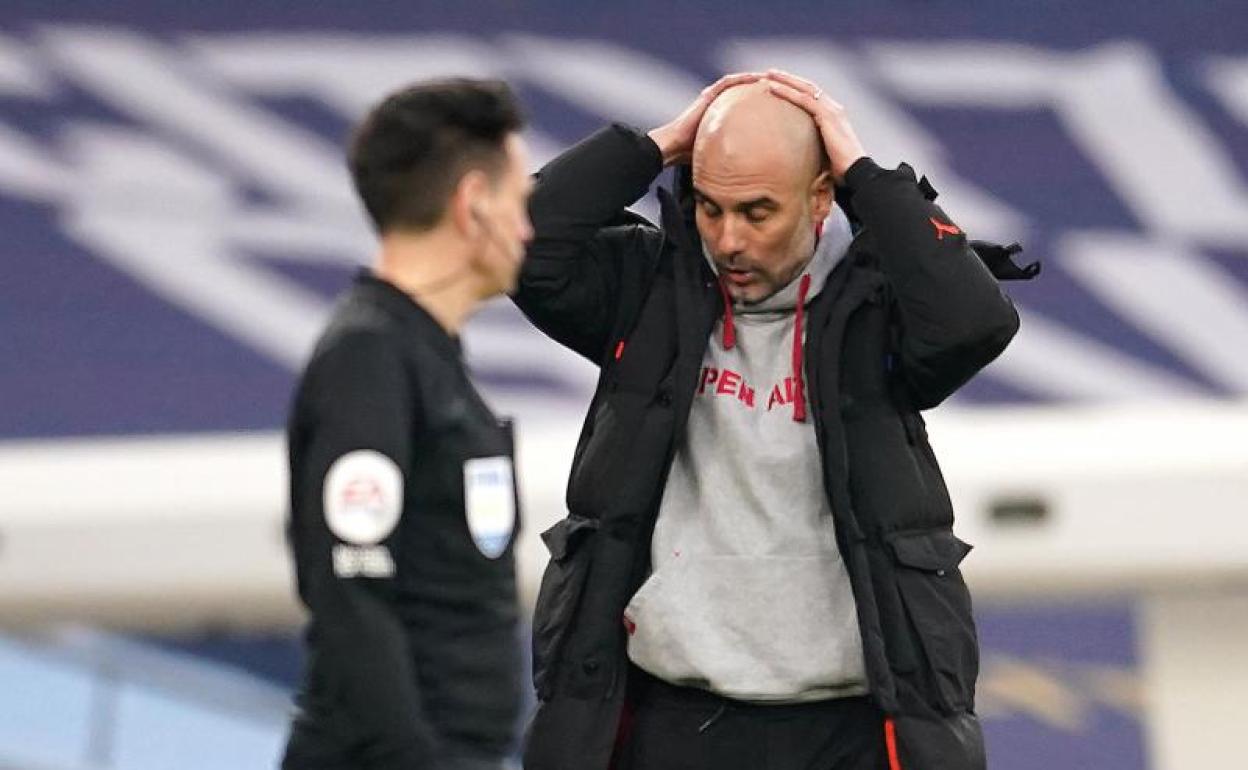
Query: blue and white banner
176 215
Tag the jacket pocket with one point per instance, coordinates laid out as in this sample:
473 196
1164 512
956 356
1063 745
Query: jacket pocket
559 595
937 607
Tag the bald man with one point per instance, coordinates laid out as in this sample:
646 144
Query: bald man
758 568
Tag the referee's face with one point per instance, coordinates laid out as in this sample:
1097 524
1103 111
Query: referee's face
506 220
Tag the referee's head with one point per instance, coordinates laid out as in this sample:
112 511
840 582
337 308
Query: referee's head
446 156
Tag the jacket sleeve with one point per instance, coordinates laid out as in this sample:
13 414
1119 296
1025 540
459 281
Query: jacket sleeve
355 441
954 318
585 246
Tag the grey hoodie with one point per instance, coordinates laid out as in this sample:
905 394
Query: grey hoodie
748 596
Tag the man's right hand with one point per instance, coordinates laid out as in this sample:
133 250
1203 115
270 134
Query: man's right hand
675 139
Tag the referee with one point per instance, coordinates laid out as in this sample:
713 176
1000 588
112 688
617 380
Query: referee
403 503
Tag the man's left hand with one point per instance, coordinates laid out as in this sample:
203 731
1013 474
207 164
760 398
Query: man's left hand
839 139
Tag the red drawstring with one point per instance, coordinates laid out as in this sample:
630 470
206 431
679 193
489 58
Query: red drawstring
730 328
799 384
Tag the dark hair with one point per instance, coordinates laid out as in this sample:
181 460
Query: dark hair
411 150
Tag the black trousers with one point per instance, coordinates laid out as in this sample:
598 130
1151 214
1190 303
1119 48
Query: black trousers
678 728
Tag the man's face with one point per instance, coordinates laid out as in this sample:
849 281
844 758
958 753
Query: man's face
506 219
757 225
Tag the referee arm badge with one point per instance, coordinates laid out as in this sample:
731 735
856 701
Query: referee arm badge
363 500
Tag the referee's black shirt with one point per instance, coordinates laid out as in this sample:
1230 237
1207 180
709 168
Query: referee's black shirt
403 514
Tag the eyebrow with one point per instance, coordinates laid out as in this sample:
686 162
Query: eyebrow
765 201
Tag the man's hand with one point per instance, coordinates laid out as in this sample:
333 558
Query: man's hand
675 139
839 139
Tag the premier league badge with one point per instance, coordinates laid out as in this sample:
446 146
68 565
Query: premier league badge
490 503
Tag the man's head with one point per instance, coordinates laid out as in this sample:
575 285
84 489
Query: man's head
761 187
447 155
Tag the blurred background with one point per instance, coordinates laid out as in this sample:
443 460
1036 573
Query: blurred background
176 219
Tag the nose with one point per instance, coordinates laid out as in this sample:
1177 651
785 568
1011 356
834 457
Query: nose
729 241
526 228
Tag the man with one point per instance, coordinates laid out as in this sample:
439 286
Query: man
758 567
403 507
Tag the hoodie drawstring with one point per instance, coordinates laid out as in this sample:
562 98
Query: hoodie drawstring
799 383
730 328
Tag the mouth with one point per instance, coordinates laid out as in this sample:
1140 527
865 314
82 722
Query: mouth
738 277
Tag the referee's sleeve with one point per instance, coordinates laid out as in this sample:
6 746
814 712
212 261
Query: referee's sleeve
347 488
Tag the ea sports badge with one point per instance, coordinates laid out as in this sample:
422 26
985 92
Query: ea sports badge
363 497
490 503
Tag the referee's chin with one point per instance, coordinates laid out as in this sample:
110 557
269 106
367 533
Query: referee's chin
508 277
513 283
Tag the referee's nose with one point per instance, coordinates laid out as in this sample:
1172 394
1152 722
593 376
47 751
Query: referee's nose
526 226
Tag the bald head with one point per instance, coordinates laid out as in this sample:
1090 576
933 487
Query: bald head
748 132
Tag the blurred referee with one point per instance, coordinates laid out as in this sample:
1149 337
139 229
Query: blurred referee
403 504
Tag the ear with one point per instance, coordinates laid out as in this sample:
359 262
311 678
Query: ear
821 196
469 193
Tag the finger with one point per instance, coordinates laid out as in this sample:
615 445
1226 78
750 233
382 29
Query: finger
800 98
736 79
788 78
